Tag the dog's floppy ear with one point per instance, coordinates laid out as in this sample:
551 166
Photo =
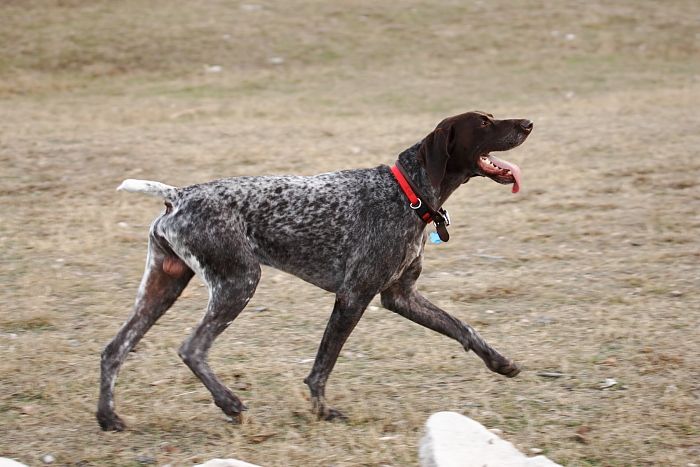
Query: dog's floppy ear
436 150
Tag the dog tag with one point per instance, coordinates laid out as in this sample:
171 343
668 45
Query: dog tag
434 238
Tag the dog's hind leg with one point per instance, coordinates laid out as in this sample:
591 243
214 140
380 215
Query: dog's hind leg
231 286
164 279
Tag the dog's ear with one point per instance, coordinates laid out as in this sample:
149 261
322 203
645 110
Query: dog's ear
436 150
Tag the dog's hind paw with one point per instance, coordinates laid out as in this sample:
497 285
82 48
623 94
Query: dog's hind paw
110 422
333 415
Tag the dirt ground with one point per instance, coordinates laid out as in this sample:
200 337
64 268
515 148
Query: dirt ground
592 271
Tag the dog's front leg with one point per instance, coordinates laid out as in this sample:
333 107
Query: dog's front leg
347 312
404 299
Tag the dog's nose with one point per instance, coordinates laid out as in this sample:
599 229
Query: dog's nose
526 125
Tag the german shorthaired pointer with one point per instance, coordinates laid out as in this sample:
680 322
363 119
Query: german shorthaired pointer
354 233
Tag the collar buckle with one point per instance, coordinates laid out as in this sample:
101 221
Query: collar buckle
445 215
440 217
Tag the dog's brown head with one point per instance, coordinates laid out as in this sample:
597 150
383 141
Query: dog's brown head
459 148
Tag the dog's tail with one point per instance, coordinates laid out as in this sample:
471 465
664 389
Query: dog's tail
157 189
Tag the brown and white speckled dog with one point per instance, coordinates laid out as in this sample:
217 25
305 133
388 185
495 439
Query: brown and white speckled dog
351 233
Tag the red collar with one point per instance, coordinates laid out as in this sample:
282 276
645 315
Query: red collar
416 202
422 209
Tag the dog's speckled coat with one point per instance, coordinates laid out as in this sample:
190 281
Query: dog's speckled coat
350 232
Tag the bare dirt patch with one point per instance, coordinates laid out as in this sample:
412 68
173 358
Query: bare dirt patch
591 271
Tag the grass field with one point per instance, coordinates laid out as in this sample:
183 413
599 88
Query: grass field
592 271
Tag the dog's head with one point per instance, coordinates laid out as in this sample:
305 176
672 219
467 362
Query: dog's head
459 148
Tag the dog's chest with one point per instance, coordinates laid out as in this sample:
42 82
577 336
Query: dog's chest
414 249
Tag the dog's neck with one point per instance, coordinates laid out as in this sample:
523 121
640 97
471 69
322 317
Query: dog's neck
414 169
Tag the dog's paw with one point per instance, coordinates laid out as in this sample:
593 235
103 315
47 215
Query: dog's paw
514 371
508 368
333 415
110 422
503 366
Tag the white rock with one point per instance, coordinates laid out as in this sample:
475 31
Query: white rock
48 459
453 440
608 383
226 463
5 462
275 60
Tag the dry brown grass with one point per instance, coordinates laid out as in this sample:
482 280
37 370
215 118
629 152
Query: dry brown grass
591 271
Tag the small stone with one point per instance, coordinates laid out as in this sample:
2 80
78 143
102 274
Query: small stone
123 225
676 293
608 383
275 60
260 437
27 409
490 312
581 434
570 37
536 450
213 68
143 459
494 257
610 361
550 374
250 7
258 309
373 308
48 459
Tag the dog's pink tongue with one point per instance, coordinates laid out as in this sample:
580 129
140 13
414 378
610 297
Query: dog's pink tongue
514 170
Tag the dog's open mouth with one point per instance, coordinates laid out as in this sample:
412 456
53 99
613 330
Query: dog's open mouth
500 171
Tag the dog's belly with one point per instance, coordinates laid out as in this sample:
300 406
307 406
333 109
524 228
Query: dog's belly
319 264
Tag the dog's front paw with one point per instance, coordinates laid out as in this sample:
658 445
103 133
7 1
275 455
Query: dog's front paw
323 412
506 367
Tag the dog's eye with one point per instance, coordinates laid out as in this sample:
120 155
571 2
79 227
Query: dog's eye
485 122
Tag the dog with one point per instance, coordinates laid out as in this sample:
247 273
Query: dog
355 233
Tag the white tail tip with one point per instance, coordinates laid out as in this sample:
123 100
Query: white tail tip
148 187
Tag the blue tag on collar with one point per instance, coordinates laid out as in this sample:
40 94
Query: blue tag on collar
435 238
